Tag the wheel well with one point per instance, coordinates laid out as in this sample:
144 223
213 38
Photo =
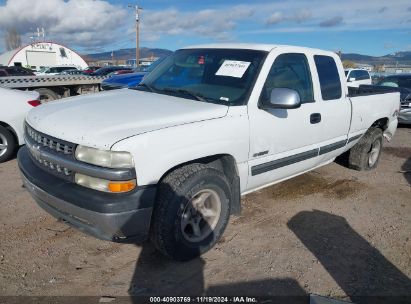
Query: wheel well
8 127
227 165
381 123
222 162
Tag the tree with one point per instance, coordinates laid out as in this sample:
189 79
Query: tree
379 68
12 39
348 64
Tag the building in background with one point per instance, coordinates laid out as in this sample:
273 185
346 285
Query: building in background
42 54
143 61
397 69
364 66
107 62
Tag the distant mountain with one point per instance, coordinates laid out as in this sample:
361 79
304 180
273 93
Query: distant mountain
126 54
398 57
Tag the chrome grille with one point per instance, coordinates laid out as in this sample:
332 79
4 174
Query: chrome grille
35 139
49 142
50 165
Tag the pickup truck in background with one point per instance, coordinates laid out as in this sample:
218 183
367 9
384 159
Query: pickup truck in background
403 83
170 158
357 77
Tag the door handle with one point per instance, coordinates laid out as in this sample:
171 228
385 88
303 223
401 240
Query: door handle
315 118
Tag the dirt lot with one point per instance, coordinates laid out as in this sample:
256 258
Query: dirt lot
333 231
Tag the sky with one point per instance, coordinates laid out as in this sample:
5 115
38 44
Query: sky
369 27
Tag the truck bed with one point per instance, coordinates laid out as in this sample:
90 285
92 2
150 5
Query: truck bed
364 90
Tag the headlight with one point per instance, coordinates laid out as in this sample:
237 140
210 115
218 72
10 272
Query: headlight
104 185
104 158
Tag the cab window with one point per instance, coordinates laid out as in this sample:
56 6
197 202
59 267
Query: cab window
290 71
329 78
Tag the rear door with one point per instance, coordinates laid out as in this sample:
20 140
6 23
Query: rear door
333 105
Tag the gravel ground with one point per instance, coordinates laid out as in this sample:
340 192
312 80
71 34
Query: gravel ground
334 232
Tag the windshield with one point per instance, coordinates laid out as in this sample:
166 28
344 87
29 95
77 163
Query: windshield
103 71
403 81
221 76
389 82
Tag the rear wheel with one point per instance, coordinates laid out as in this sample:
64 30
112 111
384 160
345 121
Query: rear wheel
8 144
46 95
366 153
191 212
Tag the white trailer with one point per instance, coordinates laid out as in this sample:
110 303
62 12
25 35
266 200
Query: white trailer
54 87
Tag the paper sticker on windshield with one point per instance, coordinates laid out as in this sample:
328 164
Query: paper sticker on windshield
233 68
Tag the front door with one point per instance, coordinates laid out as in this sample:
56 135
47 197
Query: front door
284 142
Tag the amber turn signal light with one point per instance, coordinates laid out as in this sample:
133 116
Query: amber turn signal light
117 187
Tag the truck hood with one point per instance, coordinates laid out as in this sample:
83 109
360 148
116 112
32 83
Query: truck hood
100 120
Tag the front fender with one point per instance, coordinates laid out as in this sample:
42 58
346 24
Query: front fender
156 152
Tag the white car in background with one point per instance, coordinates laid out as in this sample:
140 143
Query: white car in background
14 105
55 70
357 77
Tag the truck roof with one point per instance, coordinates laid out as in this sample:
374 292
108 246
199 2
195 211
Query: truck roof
253 46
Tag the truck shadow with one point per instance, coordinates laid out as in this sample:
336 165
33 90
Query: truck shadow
361 271
364 274
157 275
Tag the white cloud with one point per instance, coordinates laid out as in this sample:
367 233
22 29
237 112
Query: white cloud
275 18
97 24
329 16
334 21
302 15
209 23
84 23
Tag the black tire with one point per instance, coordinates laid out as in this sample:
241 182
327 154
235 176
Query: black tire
47 95
8 144
362 153
175 193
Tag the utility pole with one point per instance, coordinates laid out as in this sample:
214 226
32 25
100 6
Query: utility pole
137 12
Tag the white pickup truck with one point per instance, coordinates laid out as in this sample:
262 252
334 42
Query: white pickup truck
170 158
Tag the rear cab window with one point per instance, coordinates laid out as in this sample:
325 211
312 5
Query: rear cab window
329 77
364 75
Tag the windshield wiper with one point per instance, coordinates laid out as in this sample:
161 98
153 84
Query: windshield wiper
197 96
144 85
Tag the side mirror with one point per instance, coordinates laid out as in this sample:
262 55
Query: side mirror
283 98
351 79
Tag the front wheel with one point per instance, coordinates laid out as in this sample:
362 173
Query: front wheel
191 212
